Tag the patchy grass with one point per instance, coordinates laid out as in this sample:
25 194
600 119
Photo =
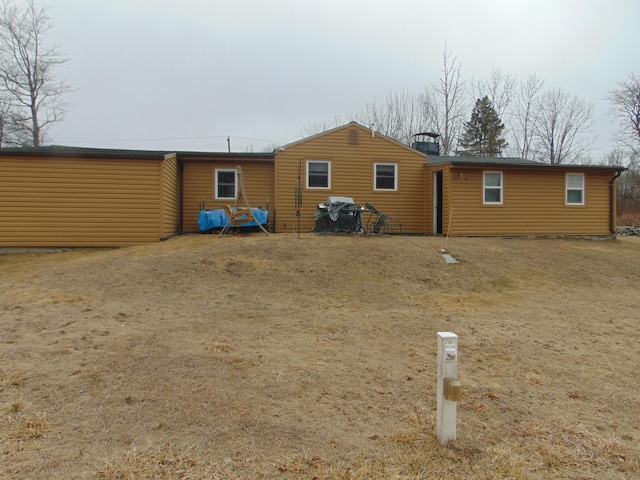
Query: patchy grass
254 357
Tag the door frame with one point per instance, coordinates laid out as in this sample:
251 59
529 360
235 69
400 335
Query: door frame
437 201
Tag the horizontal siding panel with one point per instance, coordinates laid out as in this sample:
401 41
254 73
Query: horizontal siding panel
95 195
45 178
77 232
79 202
126 239
77 169
76 217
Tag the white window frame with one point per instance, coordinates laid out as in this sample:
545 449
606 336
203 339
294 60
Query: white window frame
572 188
395 176
328 164
235 183
499 188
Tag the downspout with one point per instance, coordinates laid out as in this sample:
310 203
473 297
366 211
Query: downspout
425 200
181 196
613 202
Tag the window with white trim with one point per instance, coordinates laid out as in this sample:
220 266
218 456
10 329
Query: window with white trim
225 184
492 185
318 174
575 188
386 176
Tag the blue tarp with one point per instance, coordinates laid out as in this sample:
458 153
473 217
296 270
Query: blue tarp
210 219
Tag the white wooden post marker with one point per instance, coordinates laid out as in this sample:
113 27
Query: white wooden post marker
448 390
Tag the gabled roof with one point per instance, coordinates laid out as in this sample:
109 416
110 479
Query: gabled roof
495 162
351 124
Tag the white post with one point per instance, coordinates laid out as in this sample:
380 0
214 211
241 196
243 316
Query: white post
447 369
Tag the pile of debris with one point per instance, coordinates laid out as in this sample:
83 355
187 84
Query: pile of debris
627 230
339 214
342 214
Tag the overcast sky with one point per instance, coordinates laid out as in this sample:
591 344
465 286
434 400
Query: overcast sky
185 74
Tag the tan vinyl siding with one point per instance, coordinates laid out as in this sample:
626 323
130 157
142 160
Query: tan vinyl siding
352 175
74 202
170 197
533 203
199 185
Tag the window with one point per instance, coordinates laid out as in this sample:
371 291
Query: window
493 187
386 176
226 181
575 188
318 174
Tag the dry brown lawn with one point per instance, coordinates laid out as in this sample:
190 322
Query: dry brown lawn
248 357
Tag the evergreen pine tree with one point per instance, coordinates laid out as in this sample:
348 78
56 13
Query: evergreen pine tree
482 135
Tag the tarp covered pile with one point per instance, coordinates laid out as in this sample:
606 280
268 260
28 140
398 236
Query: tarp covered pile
212 219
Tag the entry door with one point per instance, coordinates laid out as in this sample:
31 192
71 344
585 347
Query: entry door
437 202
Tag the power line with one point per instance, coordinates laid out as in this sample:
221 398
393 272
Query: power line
165 139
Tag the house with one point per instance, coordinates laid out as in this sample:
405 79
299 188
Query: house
72 197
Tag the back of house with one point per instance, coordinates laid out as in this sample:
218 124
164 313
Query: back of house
355 162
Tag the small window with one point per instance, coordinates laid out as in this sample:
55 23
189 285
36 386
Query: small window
318 174
575 188
386 176
493 187
226 181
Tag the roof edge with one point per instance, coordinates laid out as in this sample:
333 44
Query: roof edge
87 152
78 152
514 162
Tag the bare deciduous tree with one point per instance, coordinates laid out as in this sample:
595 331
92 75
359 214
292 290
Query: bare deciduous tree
439 109
5 119
27 72
524 115
445 103
625 106
401 116
499 88
315 128
563 128
628 184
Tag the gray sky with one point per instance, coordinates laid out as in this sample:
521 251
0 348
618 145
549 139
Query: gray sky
185 74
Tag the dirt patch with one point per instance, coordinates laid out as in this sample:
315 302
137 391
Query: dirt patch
284 357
